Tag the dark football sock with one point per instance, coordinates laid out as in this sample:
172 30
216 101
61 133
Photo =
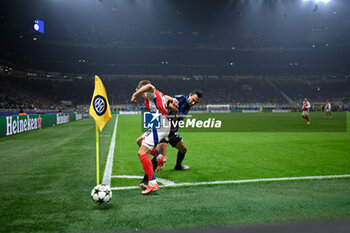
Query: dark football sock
180 158
154 162
145 179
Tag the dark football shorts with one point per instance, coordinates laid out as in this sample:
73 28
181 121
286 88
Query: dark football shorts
173 138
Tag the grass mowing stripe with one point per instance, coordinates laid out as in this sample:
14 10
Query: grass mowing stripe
238 155
260 180
47 176
109 165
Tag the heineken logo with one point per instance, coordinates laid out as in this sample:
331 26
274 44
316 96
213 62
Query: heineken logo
100 104
15 124
10 125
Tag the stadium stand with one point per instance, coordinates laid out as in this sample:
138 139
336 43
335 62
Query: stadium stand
51 93
248 65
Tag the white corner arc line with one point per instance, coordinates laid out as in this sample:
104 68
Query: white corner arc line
242 181
109 164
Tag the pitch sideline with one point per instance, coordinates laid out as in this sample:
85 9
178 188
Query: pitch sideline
260 180
109 164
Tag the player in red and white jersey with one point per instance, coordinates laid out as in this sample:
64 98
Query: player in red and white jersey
155 101
328 110
306 108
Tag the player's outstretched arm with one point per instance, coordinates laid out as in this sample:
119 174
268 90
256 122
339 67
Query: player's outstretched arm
173 100
173 108
146 88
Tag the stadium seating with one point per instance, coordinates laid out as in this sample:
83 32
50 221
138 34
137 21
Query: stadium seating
47 93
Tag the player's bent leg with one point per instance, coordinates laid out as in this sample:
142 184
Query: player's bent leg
139 141
308 120
162 148
161 163
145 161
182 149
155 154
144 182
161 158
158 155
148 168
149 141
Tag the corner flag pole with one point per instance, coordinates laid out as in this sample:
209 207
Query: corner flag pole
97 158
101 112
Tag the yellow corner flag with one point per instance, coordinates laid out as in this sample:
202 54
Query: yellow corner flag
101 112
99 108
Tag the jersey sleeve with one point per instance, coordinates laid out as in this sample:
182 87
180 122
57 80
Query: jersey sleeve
308 105
179 97
150 95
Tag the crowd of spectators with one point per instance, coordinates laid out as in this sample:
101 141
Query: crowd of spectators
28 93
317 90
54 93
204 50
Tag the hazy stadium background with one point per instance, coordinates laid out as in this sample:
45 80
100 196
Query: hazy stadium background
243 54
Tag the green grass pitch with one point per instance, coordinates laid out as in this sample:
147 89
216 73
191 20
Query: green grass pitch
47 176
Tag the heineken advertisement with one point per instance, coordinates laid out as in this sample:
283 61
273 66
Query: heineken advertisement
10 125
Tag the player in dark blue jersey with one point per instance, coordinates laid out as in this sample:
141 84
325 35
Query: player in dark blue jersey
174 139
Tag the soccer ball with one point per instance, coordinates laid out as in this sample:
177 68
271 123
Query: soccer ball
101 193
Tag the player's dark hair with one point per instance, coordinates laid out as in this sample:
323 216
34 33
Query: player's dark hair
143 83
197 92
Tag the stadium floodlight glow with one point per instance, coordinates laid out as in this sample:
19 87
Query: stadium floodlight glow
317 1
